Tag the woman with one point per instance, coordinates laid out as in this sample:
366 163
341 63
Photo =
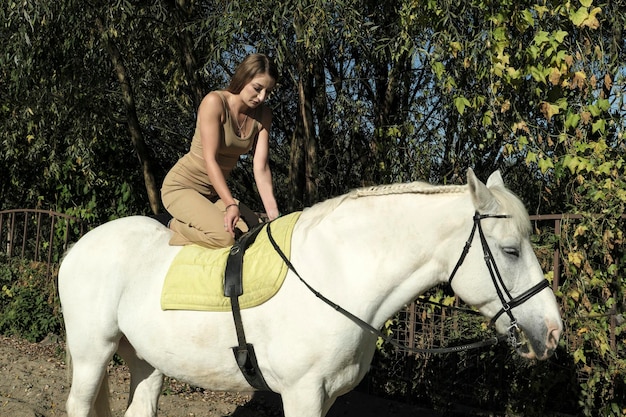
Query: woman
229 124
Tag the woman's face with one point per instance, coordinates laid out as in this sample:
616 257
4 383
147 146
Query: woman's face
257 90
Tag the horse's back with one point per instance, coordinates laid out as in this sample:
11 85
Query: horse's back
103 260
137 231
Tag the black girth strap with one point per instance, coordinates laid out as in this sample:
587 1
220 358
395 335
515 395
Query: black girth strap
233 288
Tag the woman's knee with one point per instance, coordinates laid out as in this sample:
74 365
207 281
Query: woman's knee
219 240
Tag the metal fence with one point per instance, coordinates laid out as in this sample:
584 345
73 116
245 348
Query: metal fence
38 235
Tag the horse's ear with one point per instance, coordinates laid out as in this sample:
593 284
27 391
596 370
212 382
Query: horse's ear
481 196
495 180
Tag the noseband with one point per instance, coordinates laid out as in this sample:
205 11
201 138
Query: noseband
508 301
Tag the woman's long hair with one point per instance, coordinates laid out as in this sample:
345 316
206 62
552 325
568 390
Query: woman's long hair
249 68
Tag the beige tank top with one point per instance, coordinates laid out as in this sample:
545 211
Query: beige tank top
232 146
192 168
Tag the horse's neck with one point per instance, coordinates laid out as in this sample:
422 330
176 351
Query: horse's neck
376 254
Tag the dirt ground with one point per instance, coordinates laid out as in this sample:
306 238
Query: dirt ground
33 383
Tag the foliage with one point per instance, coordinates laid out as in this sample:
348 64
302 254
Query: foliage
490 378
29 307
371 92
60 141
593 299
552 87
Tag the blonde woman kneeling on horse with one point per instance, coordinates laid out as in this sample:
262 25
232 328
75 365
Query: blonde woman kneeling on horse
229 124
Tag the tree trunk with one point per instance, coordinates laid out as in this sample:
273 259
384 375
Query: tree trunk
303 159
183 12
133 122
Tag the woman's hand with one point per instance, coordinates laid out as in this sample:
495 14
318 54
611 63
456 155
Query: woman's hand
272 214
231 217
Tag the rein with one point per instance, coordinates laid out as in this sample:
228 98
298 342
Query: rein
513 329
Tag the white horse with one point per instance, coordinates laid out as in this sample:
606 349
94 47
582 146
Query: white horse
371 251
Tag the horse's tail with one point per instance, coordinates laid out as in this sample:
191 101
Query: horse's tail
68 365
102 406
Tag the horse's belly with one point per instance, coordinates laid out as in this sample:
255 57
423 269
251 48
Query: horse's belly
190 346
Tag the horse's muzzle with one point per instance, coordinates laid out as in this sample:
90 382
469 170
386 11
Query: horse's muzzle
535 348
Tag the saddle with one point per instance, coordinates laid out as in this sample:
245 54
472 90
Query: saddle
233 288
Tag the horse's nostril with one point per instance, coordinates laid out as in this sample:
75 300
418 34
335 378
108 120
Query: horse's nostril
554 334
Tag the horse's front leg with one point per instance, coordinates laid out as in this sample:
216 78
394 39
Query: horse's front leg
306 401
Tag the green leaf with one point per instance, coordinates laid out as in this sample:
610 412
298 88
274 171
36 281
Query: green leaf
531 157
579 356
571 162
537 74
545 164
541 37
487 118
528 17
605 168
595 110
579 16
572 120
499 34
604 104
560 35
533 51
599 125
438 69
461 103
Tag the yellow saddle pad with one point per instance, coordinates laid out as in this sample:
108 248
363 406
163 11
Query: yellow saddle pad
195 280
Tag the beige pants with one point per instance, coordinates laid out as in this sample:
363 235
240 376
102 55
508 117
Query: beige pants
198 219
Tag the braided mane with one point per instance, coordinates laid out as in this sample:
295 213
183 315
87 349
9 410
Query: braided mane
417 187
510 203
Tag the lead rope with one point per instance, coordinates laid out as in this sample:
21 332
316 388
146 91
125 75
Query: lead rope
368 327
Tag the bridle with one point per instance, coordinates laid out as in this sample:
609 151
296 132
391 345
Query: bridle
503 293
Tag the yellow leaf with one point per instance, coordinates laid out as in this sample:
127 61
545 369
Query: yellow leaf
575 258
592 21
578 80
521 126
455 47
555 76
580 230
549 110
513 73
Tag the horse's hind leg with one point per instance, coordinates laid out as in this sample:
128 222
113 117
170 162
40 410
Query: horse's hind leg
89 385
145 383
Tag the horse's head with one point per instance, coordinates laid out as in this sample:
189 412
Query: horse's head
501 275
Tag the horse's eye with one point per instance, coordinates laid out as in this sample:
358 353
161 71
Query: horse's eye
511 251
